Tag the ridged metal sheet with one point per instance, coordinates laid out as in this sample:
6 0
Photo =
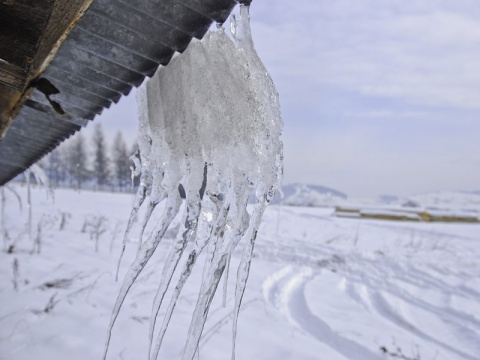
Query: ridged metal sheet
111 49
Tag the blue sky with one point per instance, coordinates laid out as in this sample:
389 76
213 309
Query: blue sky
378 97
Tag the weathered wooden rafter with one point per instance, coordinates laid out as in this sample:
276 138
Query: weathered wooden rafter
30 34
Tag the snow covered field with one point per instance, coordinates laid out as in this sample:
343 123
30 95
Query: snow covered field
320 287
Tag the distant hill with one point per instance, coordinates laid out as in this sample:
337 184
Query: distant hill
449 199
388 199
309 195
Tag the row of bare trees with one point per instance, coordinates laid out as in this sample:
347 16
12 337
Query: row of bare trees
90 163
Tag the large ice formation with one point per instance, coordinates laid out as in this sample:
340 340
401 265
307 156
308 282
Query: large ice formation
210 129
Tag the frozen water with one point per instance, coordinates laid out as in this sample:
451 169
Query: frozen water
3 201
142 167
42 180
210 130
40 177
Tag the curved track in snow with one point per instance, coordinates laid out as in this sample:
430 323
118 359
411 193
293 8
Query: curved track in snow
394 302
285 290
401 294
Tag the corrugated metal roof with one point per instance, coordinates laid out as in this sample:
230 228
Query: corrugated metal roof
111 49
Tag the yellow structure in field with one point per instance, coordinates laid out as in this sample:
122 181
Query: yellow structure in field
407 214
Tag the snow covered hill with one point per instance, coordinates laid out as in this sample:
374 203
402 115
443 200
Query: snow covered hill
449 199
320 287
309 195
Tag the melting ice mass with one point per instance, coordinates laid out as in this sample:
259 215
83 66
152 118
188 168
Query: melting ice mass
209 132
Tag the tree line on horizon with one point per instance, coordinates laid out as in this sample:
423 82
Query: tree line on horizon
83 163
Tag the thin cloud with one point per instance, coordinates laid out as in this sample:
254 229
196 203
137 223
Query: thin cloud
377 97
431 57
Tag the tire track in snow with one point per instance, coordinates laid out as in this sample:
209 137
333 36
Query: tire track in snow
376 281
384 308
413 277
284 290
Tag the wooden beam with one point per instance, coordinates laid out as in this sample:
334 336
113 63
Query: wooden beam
31 32
8 98
22 23
65 15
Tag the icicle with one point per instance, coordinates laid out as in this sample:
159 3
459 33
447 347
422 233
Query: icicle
4 230
244 267
139 198
193 211
213 270
209 225
148 214
141 260
225 276
3 217
135 167
29 203
41 178
218 147
143 169
236 226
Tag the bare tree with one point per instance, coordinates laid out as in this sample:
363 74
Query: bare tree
55 165
76 160
97 226
100 159
121 162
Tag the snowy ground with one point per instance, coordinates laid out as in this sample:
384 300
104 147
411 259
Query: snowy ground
320 288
